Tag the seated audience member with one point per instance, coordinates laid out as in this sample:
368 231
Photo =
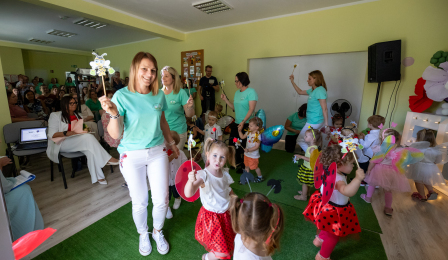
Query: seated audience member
33 105
57 104
88 117
84 94
17 113
105 118
41 81
190 91
53 83
59 125
23 212
19 97
126 81
63 88
69 82
294 125
48 98
117 82
95 105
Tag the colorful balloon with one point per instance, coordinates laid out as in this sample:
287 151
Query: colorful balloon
271 136
262 115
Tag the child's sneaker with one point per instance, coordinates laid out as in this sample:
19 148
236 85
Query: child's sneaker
177 203
317 241
258 179
388 211
169 214
144 246
162 245
432 195
365 198
319 257
363 183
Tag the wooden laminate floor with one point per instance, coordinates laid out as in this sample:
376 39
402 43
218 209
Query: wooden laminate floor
417 230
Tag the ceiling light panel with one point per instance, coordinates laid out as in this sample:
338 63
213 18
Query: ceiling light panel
90 23
61 33
212 7
39 41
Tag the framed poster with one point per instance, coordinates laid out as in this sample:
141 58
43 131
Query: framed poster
192 63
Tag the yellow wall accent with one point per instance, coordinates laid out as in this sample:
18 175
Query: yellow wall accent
37 47
100 13
38 63
12 60
421 25
5 118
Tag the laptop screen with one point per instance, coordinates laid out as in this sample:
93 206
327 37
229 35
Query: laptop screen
29 135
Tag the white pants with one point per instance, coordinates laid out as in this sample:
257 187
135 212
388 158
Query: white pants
301 138
93 128
183 138
135 166
97 157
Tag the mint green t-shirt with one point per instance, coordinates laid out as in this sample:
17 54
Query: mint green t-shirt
37 88
241 103
71 84
190 91
296 123
94 106
50 86
314 112
142 113
174 114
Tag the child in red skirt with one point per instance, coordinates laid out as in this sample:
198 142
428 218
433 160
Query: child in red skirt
337 218
260 239
213 225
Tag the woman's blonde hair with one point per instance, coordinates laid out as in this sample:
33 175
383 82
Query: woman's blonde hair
257 218
177 84
427 135
133 72
319 78
230 150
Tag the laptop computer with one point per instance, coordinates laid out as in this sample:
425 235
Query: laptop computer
32 138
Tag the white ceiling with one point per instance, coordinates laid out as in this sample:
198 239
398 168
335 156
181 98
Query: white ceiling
21 21
181 15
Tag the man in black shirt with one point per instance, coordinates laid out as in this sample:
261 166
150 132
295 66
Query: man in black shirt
207 87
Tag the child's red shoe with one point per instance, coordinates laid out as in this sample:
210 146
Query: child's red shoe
317 241
319 257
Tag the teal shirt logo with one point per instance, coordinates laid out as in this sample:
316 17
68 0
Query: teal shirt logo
158 106
172 102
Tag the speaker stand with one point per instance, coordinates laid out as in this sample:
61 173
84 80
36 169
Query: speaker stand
376 99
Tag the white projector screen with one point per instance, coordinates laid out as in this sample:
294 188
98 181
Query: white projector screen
344 74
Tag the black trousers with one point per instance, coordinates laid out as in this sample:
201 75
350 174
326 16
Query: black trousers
290 143
239 153
173 192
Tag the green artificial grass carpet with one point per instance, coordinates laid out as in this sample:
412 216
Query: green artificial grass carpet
115 236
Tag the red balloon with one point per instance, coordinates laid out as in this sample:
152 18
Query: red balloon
214 129
235 140
26 244
182 179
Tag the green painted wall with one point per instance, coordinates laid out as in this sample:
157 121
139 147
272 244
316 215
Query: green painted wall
12 60
421 25
5 118
40 63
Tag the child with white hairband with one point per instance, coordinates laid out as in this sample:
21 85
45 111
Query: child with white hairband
211 130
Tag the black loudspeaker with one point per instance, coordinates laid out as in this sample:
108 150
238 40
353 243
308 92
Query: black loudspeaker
384 61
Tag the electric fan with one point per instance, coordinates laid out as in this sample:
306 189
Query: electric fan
342 107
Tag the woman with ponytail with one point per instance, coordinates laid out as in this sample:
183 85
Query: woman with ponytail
260 239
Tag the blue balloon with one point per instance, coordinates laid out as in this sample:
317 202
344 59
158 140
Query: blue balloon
262 115
271 136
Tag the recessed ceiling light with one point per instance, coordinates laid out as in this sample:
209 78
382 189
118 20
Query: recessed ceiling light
90 23
61 33
39 41
214 6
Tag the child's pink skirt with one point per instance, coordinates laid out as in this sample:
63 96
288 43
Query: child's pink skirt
386 177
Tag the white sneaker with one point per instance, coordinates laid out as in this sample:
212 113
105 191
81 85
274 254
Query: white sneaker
162 245
177 203
169 214
144 246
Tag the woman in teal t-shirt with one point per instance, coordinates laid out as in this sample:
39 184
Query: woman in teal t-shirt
143 148
316 112
178 101
244 103
69 82
294 124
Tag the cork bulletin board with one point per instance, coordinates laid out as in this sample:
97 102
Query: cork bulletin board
192 66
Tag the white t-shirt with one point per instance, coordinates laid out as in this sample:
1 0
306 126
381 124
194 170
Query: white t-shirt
215 196
251 143
242 253
209 129
175 165
337 197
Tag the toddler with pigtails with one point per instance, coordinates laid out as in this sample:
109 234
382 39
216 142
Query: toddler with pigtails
313 138
387 168
213 226
337 217
251 152
260 239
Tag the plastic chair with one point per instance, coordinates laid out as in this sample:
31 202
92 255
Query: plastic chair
32 115
61 166
11 133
